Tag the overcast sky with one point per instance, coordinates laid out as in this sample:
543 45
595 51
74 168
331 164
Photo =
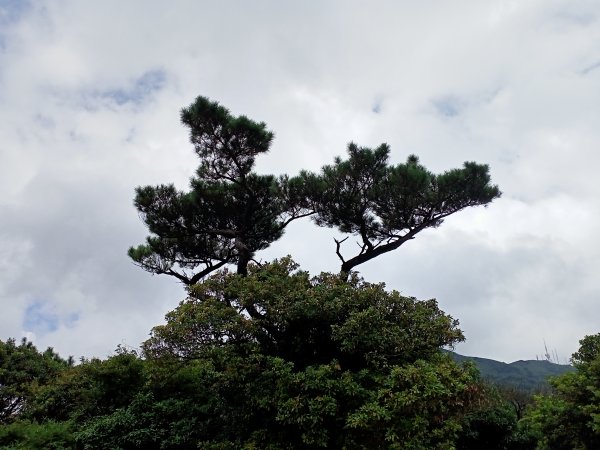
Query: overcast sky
90 94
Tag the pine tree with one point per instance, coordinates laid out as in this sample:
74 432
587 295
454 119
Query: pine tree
231 212
385 205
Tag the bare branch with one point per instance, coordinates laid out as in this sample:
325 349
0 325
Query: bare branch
286 222
258 263
337 248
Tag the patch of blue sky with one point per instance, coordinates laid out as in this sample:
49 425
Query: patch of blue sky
12 10
133 93
39 320
140 90
448 106
71 320
377 104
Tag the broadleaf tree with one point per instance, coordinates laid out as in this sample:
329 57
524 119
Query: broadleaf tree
569 417
333 363
22 367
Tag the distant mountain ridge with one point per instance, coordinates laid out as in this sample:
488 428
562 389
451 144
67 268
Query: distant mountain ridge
525 375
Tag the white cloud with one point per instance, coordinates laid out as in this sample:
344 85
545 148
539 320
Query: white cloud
90 96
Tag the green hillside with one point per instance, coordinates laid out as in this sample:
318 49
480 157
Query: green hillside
525 375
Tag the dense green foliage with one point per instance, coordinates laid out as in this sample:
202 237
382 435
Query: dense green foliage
570 418
329 363
25 435
305 320
315 369
22 368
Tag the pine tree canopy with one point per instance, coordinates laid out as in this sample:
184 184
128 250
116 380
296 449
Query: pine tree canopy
231 212
385 205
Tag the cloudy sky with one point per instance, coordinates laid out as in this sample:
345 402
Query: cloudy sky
90 94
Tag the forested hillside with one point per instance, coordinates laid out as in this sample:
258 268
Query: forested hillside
529 376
